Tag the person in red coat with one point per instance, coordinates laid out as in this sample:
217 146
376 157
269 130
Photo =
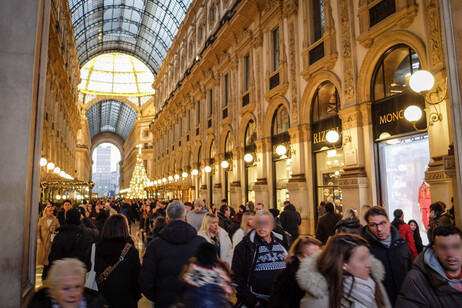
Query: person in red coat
404 230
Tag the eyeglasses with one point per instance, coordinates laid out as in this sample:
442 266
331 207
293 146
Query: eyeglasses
376 226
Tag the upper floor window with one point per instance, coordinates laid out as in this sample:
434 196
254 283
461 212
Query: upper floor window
212 16
198 113
201 33
392 73
317 19
188 120
225 90
275 49
250 134
210 100
246 84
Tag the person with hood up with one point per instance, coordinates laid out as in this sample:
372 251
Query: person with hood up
290 220
327 222
206 281
196 216
343 275
436 276
349 224
166 255
404 230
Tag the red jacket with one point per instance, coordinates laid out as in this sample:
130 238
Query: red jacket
406 233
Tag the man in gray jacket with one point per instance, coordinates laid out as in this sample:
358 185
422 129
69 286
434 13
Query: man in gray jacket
195 217
436 276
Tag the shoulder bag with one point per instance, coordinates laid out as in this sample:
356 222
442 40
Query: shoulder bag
103 276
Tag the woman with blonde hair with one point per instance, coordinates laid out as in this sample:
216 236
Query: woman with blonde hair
246 227
286 292
46 230
344 274
217 236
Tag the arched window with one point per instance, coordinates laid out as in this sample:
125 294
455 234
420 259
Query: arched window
391 75
325 102
281 121
250 134
228 143
212 151
199 156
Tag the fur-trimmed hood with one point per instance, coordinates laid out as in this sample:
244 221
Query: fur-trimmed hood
311 280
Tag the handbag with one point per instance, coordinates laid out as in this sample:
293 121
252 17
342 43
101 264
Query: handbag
103 276
90 281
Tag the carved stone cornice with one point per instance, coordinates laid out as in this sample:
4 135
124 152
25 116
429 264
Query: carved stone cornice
299 133
290 8
351 117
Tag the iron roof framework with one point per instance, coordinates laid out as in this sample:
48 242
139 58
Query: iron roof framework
111 116
142 28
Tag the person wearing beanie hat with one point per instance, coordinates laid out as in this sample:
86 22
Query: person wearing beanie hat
437 218
327 223
206 281
74 239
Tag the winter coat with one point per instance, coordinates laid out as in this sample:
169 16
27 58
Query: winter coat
244 259
397 260
74 241
315 284
424 287
195 219
326 226
349 225
237 237
164 259
120 289
41 299
286 292
444 219
226 247
224 222
290 220
406 233
44 235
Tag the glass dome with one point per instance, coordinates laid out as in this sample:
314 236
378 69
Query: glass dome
116 74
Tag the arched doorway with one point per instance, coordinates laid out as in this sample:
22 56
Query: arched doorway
402 152
106 158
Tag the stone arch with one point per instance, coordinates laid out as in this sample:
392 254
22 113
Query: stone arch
382 44
226 129
244 121
307 97
274 104
186 162
100 98
108 138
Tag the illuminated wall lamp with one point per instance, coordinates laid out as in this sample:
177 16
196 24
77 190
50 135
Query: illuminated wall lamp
422 82
224 164
333 136
177 176
195 172
185 174
170 178
43 162
248 158
207 169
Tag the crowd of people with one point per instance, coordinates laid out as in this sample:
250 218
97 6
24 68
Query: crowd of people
199 256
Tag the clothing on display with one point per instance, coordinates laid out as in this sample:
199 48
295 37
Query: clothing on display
425 201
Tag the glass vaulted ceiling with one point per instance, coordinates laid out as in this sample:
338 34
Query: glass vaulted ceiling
116 74
143 28
111 116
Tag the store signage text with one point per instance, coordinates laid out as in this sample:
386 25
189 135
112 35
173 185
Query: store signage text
391 117
321 136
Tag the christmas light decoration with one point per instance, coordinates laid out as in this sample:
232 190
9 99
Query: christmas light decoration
139 179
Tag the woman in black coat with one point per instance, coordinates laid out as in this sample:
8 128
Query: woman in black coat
285 292
416 232
120 287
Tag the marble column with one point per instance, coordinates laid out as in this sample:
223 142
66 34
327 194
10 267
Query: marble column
23 59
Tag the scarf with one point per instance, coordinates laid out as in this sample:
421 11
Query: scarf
361 296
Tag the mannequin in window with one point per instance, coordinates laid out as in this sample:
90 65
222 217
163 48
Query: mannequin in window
424 202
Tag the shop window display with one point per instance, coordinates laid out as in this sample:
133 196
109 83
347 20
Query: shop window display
403 162
250 167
